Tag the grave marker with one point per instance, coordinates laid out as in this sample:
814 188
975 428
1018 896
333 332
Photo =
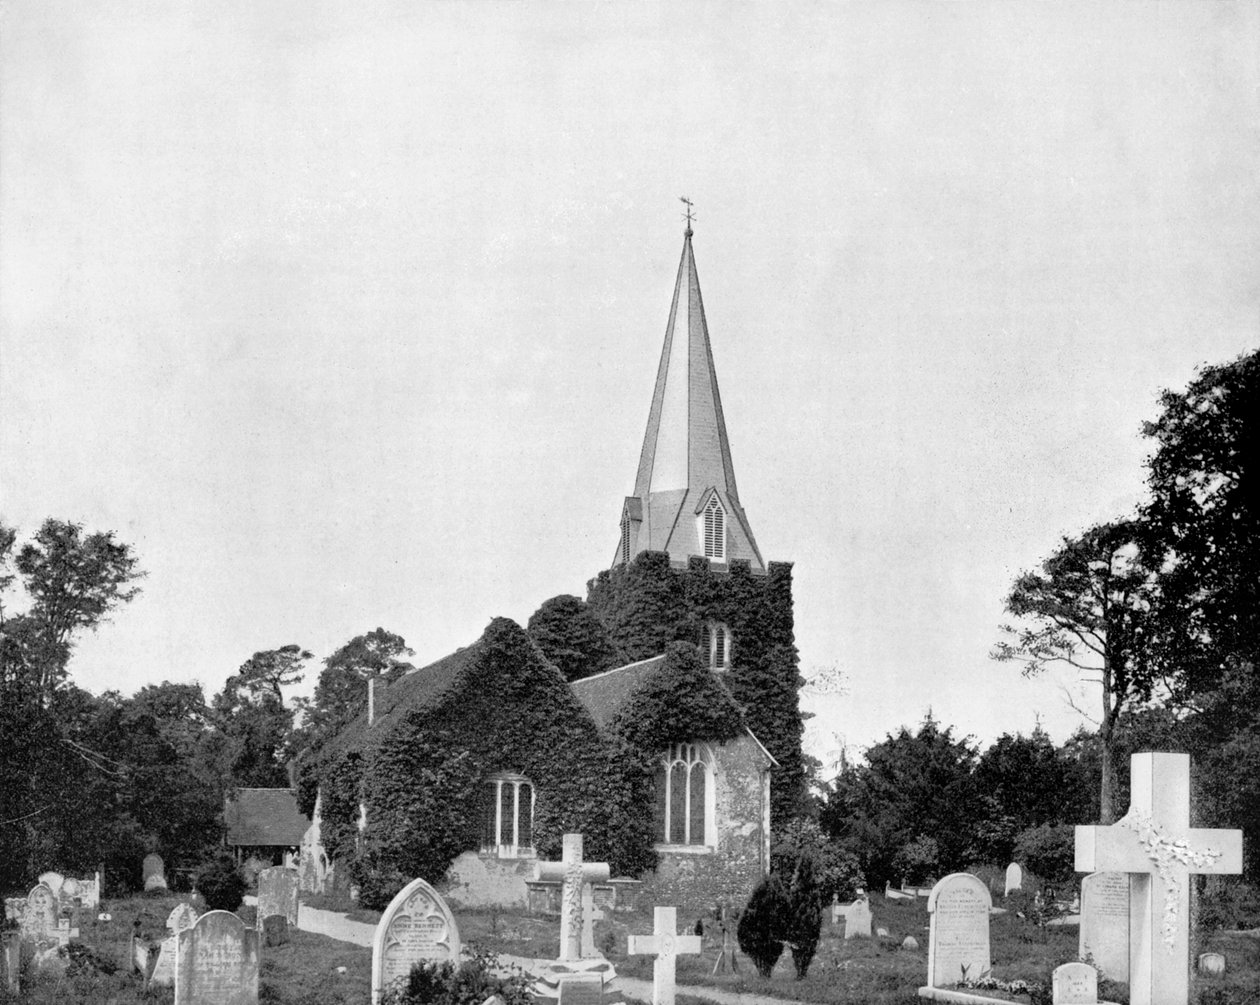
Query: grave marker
1014 879
417 926
182 918
577 876
278 893
216 962
1105 923
1211 963
1155 844
958 939
667 945
154 871
857 919
1075 984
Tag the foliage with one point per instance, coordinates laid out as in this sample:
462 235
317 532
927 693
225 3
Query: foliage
221 883
805 913
912 785
761 926
573 638
1203 521
477 977
648 604
341 693
1049 850
681 700
918 859
836 869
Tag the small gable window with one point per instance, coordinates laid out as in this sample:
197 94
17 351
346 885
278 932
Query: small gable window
713 529
684 796
715 645
508 817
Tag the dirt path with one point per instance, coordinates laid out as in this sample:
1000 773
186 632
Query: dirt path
337 926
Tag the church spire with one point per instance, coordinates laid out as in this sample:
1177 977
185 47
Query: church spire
685 500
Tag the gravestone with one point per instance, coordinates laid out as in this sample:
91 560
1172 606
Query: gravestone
278 893
216 962
857 919
52 880
38 928
1155 844
582 989
1211 963
667 945
1075 984
12 962
154 871
1104 934
1014 879
417 926
182 918
958 939
577 877
275 930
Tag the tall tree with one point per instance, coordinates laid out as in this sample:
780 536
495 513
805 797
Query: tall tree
252 740
1088 607
1203 520
341 693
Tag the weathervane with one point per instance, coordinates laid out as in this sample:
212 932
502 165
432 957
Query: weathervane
690 216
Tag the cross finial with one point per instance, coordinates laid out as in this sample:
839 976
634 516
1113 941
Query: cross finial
689 215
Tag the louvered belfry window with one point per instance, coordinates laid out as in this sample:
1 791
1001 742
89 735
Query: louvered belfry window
715 530
715 645
625 539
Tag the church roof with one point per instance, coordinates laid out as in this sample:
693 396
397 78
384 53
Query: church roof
686 451
604 693
264 818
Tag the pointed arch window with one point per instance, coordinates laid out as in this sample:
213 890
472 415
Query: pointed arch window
685 801
713 529
715 645
508 817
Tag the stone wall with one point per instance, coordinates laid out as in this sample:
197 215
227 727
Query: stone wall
476 880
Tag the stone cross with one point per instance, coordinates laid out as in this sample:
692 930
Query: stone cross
668 946
1158 848
576 876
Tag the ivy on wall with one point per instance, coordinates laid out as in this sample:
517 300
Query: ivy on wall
649 603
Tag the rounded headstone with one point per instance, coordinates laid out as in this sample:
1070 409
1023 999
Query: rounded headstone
909 942
1211 963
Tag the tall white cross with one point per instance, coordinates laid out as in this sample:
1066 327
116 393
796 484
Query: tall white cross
1158 848
576 876
668 946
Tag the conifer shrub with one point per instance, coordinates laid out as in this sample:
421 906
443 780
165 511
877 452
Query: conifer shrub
761 926
805 913
220 882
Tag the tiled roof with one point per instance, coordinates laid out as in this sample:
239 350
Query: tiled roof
264 817
605 693
411 691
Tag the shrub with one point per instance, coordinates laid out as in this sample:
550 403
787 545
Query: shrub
1049 851
804 914
917 860
836 869
470 983
221 883
763 921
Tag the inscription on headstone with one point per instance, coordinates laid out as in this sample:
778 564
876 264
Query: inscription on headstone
278 893
154 871
182 918
1105 923
1075 984
958 940
216 962
416 926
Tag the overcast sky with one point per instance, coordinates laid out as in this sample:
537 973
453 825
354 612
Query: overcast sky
347 315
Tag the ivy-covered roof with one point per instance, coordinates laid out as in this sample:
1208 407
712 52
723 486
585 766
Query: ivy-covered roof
604 694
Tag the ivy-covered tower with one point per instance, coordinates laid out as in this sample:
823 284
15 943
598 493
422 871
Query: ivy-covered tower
687 566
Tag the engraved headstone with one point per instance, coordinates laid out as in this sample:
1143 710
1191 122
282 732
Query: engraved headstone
857 919
1105 923
667 945
39 919
52 880
416 926
1014 879
958 939
154 872
1075 984
1211 963
216 962
1155 844
182 918
278 893
577 876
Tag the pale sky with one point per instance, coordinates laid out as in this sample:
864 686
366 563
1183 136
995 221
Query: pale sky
347 315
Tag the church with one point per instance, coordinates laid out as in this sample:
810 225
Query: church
675 762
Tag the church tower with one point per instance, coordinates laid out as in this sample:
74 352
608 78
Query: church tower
687 567
685 502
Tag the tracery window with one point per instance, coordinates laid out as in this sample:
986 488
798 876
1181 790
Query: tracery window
508 817
715 645
713 529
684 796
